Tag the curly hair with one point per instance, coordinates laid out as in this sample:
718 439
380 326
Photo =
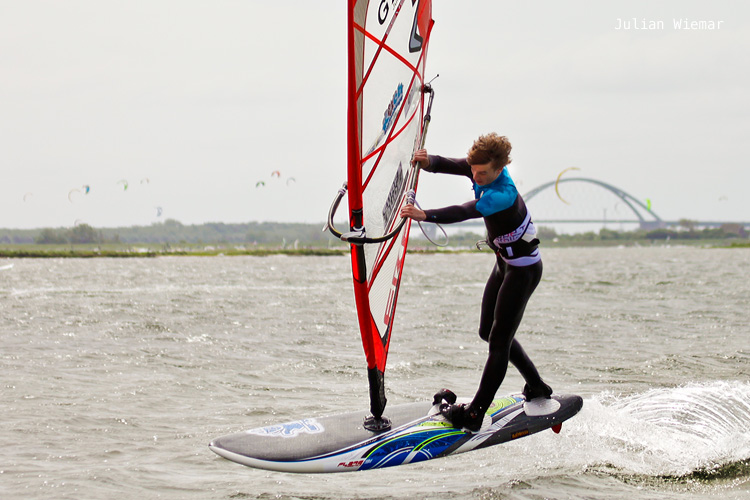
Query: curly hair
490 148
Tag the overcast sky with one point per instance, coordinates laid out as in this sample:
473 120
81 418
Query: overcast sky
194 102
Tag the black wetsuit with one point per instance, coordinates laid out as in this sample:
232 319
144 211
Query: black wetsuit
516 273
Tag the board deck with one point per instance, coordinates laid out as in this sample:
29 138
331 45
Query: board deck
340 443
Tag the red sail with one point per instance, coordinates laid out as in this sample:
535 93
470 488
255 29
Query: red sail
387 42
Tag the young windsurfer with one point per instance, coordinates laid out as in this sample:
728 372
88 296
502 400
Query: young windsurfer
516 273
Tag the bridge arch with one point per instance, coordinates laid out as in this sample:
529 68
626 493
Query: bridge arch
630 201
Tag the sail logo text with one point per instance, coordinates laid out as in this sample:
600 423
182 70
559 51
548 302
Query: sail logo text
398 96
384 9
415 40
394 197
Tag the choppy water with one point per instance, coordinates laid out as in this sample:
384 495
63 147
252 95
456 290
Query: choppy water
117 373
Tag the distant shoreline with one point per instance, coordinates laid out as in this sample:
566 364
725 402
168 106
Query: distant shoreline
35 252
144 253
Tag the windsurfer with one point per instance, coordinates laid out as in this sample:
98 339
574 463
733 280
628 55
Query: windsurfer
516 273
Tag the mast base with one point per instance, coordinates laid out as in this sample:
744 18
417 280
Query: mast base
376 424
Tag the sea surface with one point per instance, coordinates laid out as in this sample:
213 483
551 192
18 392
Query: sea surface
117 373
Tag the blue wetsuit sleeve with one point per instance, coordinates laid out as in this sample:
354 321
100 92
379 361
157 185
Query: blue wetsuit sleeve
455 213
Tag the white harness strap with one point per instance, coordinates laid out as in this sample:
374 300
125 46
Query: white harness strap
526 232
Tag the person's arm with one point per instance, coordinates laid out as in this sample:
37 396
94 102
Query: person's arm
441 165
453 213
445 215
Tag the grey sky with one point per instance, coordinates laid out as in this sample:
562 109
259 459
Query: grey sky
194 102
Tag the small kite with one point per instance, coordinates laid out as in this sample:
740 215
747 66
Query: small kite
71 193
558 182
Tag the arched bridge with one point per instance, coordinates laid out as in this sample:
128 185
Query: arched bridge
645 217
642 215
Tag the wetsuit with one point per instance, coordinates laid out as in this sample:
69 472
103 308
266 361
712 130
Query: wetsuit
516 273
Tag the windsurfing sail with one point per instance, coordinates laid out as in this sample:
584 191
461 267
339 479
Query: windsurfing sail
386 123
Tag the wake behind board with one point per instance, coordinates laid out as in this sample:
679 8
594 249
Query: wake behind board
339 443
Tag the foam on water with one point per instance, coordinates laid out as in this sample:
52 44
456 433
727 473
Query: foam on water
665 432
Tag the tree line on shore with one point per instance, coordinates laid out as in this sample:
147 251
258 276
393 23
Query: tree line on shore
276 233
173 232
